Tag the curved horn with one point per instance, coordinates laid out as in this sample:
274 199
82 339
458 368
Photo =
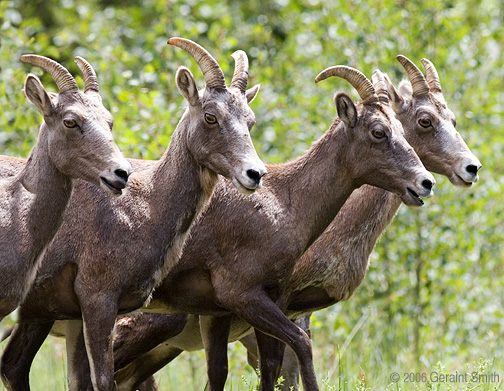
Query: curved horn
214 77
417 79
432 75
90 79
63 79
240 75
356 78
380 86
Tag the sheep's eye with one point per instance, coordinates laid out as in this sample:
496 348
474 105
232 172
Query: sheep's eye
210 119
425 122
70 123
378 133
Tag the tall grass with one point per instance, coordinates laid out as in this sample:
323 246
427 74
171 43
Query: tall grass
363 359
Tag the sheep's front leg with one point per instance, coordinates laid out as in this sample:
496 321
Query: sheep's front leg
78 377
98 315
138 373
271 352
140 347
215 334
256 308
18 355
290 368
139 333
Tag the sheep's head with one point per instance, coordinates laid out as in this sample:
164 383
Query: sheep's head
77 127
429 124
378 153
220 118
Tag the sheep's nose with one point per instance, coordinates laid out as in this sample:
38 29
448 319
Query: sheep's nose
473 169
123 174
255 175
427 184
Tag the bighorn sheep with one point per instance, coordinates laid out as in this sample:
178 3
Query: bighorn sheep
110 254
244 268
334 266
74 141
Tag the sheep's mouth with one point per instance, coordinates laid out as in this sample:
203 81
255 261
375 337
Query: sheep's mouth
115 188
459 181
414 195
242 188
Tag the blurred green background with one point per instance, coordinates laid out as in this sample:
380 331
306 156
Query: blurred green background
433 298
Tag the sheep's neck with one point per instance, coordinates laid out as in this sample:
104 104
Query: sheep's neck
315 186
34 217
44 212
175 192
338 260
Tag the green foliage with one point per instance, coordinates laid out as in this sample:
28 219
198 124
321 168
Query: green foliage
435 288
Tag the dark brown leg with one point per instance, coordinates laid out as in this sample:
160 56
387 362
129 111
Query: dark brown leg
130 377
78 372
215 334
270 359
18 355
139 333
256 308
99 312
290 366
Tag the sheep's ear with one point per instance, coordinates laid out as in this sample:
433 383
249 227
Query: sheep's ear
36 93
405 89
396 98
346 111
251 93
187 86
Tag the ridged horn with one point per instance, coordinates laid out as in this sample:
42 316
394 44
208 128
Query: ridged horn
417 79
380 86
240 75
63 79
356 78
90 79
432 76
214 77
